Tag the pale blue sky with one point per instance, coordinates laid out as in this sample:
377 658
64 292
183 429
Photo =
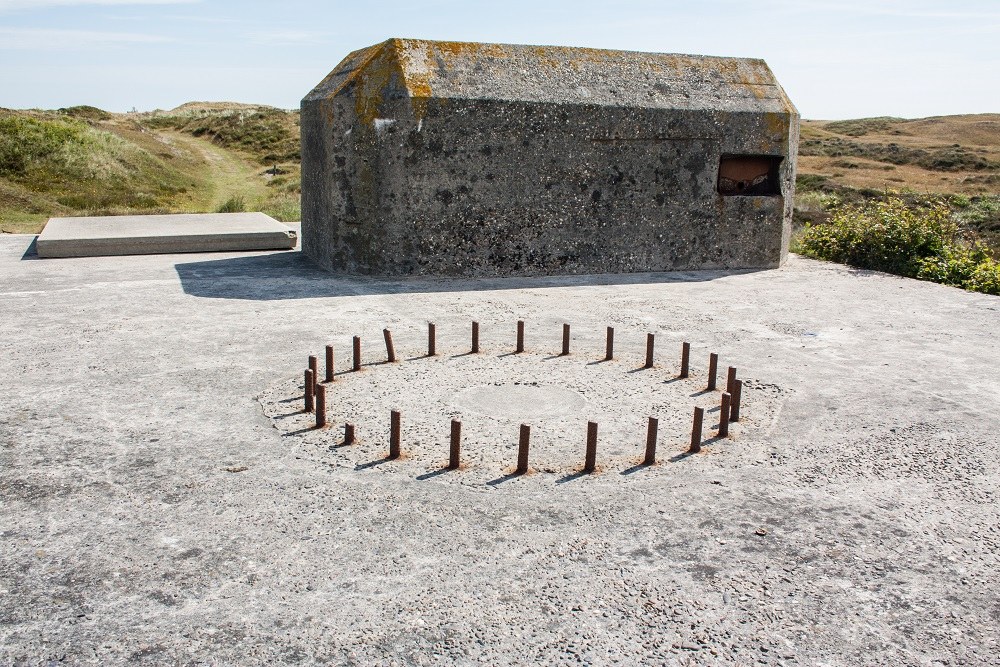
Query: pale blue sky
835 58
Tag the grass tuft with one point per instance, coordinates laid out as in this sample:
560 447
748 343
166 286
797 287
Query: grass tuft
235 204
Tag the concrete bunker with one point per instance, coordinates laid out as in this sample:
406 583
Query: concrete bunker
444 158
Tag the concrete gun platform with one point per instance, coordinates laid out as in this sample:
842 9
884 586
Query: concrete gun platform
160 234
152 514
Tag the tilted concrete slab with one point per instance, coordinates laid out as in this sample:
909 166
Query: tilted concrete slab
163 234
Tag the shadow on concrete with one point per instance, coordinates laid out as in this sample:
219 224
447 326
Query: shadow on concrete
299 431
504 478
572 476
434 473
31 252
287 275
636 468
372 464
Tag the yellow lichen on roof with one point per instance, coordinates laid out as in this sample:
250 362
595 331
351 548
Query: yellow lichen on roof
423 69
371 81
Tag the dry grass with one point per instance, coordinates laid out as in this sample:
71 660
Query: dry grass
84 161
945 155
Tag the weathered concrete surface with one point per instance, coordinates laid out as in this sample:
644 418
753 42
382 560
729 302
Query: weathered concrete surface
149 511
446 158
163 234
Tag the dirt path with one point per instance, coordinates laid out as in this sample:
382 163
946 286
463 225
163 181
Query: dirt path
228 174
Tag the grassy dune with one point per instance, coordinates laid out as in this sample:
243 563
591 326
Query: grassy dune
954 160
84 161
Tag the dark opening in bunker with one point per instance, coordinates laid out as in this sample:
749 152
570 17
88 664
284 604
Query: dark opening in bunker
749 175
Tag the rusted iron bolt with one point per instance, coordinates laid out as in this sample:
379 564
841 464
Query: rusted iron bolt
309 385
314 367
455 451
651 429
520 336
590 462
320 406
734 411
395 435
357 353
724 414
522 449
713 370
390 349
331 373
699 416
685 359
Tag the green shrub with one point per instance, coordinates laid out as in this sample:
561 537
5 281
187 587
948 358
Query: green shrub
235 204
985 278
919 240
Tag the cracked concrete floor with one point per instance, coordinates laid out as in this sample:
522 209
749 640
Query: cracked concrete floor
151 512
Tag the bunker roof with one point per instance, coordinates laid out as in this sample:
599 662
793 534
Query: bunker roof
423 69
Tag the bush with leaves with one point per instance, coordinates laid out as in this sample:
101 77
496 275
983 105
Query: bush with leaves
919 240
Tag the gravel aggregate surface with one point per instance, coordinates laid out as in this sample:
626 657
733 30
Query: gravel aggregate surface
163 500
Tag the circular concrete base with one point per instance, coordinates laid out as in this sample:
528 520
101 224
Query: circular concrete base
492 393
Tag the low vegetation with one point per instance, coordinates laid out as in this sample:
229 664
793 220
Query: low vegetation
86 161
918 239
267 135
55 164
919 198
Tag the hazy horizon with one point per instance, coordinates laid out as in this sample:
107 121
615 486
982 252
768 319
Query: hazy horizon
835 60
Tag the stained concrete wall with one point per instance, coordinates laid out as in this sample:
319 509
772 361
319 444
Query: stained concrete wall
430 158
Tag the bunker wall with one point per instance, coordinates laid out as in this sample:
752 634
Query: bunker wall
486 188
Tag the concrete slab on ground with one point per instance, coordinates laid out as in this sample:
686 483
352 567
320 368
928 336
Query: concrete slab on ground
162 234
164 500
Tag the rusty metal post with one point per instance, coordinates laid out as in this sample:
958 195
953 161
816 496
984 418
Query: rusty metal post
357 353
649 350
331 371
475 337
565 348
591 461
314 367
309 384
734 411
431 339
454 457
394 434
713 370
520 335
727 399
348 434
731 379
650 457
320 406
609 353
699 416
522 449
390 349
685 359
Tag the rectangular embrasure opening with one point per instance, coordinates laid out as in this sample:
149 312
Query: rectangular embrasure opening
749 175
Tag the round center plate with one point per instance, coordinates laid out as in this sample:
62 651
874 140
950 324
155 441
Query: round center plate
520 402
